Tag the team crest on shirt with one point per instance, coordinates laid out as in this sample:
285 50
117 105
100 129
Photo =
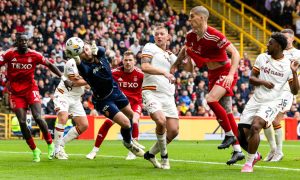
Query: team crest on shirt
14 60
135 78
29 60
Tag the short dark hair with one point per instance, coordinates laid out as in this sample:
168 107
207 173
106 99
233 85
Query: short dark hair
128 53
280 39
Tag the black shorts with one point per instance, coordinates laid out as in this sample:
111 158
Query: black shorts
111 105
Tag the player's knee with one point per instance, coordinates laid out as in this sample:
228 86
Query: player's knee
210 98
83 127
172 133
256 126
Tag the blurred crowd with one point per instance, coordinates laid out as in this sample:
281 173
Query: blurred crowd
117 25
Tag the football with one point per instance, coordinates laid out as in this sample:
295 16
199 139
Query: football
74 46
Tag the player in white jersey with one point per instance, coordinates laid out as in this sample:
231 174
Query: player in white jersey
275 139
158 95
269 74
66 102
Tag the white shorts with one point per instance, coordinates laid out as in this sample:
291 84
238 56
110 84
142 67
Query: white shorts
70 104
154 101
287 101
267 111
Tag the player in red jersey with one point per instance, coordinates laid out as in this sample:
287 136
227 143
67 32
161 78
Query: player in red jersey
130 79
207 46
21 63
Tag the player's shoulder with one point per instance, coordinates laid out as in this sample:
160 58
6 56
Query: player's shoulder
191 34
71 62
138 70
117 69
149 46
263 56
10 51
213 34
34 52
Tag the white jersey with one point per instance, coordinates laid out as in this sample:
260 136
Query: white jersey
276 71
291 54
160 59
70 70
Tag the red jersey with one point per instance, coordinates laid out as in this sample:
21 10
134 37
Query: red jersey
130 83
210 48
20 69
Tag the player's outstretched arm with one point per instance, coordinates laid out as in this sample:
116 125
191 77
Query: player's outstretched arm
181 56
294 83
56 71
254 80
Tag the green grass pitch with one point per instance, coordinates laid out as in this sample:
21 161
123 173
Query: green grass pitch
188 159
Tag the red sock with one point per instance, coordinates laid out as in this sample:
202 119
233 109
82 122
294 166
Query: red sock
135 131
48 137
31 143
221 115
103 132
233 126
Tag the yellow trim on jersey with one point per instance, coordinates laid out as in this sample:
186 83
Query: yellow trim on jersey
255 68
149 88
60 90
71 75
147 55
290 80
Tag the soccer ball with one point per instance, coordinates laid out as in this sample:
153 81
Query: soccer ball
74 46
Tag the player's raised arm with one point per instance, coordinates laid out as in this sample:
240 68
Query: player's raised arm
181 56
294 83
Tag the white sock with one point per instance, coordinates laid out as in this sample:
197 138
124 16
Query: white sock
162 143
58 134
154 149
95 149
72 134
270 137
237 148
250 159
229 133
278 138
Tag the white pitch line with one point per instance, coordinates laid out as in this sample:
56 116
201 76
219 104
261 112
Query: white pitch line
172 160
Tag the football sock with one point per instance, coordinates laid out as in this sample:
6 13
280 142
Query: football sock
154 149
126 134
221 115
103 132
135 131
31 143
58 134
270 137
73 133
162 143
237 148
47 137
250 159
233 126
278 137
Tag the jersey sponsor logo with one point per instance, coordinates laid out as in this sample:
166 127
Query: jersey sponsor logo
128 84
270 71
21 66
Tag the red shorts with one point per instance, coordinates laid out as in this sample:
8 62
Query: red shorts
28 98
137 108
216 77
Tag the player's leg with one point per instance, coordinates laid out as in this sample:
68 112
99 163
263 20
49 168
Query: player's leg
36 113
271 140
237 155
62 118
102 132
21 115
215 94
278 138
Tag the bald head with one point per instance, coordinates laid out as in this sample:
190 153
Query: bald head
200 10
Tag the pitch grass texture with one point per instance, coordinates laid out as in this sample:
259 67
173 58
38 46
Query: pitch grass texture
188 159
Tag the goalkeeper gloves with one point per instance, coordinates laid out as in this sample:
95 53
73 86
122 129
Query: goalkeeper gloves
77 59
94 48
